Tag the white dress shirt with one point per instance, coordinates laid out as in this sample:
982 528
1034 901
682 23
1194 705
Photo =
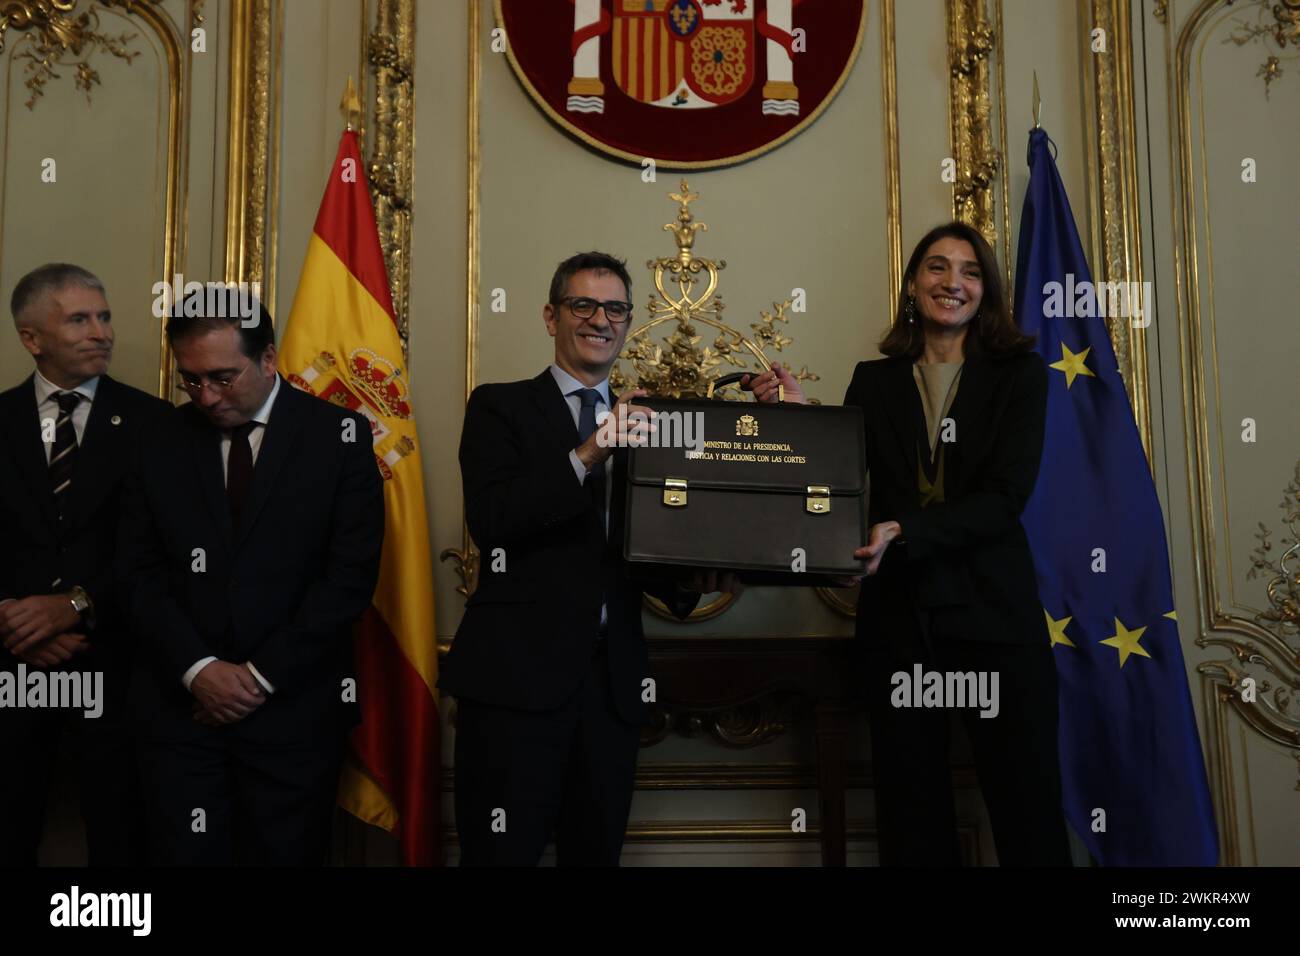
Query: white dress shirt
47 408
569 388
262 416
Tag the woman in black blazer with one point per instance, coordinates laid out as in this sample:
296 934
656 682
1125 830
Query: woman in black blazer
954 431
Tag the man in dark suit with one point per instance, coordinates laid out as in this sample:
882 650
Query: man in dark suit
251 542
67 433
549 663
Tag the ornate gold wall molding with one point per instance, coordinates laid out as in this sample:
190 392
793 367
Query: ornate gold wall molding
893 187
465 558
392 57
252 155
1111 136
1254 650
970 42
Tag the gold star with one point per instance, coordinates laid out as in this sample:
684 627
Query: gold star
1126 642
1172 615
1072 364
1056 630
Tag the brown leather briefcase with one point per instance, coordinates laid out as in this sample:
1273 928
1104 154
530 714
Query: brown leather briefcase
776 491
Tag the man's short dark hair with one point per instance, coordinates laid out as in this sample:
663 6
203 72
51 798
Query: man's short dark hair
195 315
50 277
597 262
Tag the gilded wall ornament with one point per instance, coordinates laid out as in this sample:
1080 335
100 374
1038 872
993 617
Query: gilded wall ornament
60 39
1276 25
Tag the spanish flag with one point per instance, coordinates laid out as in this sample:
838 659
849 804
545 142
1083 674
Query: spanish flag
341 344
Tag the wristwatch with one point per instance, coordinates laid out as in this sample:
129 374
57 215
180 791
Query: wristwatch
80 600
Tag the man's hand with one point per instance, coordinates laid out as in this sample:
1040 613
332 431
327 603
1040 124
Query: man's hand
709 580
56 650
878 539
618 430
765 386
29 621
225 693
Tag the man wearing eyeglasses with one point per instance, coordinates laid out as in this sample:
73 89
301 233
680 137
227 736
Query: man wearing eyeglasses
251 540
67 431
549 665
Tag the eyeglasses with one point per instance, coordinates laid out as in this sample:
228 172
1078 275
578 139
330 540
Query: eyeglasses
583 308
194 385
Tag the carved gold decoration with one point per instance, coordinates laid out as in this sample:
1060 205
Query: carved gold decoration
1283 587
465 558
1282 31
197 17
683 368
893 189
970 41
1255 650
1111 137
57 35
1160 10
392 55
250 187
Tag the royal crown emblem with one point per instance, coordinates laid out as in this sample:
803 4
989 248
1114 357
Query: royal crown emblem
747 426
368 384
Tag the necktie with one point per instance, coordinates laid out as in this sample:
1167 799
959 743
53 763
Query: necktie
586 427
239 469
63 454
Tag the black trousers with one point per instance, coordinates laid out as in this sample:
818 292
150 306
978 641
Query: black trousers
107 780
1016 754
222 799
523 775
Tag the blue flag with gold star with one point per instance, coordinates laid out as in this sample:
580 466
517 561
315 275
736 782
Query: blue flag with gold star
1133 775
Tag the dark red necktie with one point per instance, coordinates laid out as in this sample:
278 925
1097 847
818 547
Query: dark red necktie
239 469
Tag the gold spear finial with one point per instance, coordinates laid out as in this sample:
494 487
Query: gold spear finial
350 106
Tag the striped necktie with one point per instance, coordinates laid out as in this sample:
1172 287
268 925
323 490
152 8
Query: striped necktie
63 454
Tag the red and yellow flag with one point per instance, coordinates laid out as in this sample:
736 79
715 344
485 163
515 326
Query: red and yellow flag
341 344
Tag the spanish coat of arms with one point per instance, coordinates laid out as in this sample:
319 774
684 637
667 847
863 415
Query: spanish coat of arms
688 83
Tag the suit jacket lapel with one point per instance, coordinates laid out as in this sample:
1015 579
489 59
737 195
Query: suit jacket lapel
279 436
24 427
555 409
206 454
900 401
968 406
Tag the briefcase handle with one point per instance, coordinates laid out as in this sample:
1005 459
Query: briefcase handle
726 380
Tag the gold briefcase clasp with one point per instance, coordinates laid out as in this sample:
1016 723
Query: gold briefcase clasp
819 500
675 492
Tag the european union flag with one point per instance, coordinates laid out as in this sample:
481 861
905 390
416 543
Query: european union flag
1131 766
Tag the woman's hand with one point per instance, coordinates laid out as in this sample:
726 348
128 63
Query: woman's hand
765 385
878 539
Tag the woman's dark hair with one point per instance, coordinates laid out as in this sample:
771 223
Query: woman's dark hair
992 332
